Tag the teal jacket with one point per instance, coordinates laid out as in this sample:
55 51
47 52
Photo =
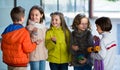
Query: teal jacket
57 52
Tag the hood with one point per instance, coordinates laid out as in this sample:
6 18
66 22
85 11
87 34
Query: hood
12 33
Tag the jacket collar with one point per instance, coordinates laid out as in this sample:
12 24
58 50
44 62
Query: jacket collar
12 27
55 28
104 34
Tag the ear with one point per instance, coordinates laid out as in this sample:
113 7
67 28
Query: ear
22 19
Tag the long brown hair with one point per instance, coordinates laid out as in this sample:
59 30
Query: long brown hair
63 25
40 9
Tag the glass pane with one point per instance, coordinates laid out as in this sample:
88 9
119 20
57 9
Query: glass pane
5 8
80 5
110 8
50 6
66 6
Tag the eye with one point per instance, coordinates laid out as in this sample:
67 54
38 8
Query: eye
56 19
36 15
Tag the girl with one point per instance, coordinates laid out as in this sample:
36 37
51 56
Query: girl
37 29
81 40
57 42
107 43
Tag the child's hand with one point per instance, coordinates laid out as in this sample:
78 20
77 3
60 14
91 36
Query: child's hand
96 38
83 61
30 25
38 41
35 29
75 48
70 64
30 28
53 39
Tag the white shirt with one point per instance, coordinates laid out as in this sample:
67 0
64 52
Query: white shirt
108 50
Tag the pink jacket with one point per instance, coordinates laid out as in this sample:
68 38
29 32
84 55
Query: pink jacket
37 32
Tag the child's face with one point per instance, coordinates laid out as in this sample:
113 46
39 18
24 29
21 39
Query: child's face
99 30
83 25
35 15
55 21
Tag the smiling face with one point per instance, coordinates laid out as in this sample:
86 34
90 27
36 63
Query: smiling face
55 21
83 24
35 15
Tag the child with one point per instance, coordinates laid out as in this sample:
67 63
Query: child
37 29
81 40
58 42
16 44
107 43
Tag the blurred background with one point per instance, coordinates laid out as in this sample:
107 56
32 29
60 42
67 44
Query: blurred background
91 8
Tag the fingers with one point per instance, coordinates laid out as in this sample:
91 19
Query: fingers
75 48
83 61
53 38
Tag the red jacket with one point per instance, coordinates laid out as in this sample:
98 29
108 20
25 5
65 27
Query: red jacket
16 46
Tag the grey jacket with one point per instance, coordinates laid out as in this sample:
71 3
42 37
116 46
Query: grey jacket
83 40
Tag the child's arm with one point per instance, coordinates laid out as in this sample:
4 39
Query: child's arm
34 35
30 27
48 42
53 39
27 44
74 43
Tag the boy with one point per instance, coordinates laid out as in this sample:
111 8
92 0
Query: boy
16 44
107 42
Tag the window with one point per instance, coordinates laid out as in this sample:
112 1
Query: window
5 8
68 7
109 8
